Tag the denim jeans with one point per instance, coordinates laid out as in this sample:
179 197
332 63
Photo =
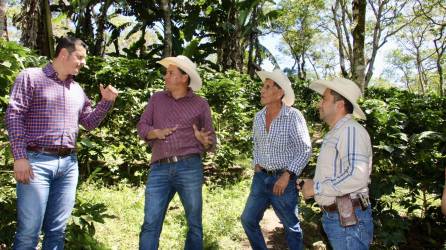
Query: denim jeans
164 180
46 202
285 207
354 237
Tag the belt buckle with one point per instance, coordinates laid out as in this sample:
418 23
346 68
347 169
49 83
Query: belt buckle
174 158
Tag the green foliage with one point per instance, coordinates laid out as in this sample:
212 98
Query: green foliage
221 216
81 230
229 94
7 208
408 133
13 58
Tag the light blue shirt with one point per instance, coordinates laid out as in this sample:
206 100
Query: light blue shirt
287 145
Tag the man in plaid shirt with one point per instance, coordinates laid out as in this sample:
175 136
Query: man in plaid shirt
282 149
43 117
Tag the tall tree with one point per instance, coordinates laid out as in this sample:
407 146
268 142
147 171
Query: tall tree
358 34
433 12
3 20
400 62
297 23
99 46
167 41
387 17
35 23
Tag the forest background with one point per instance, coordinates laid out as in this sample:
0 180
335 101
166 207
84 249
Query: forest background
405 104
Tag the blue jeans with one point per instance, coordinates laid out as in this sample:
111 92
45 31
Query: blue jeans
354 237
164 180
285 207
46 202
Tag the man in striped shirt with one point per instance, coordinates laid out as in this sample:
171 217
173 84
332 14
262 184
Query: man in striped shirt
177 125
340 184
282 149
43 117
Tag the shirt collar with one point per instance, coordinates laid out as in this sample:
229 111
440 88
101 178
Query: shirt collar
342 121
51 73
189 94
285 110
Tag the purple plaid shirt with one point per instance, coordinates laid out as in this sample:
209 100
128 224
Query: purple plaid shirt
45 111
163 111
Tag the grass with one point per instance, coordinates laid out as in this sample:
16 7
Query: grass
222 207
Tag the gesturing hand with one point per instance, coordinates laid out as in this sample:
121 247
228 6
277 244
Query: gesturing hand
204 137
109 93
164 132
23 171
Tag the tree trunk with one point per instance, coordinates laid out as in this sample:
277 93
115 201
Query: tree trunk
46 40
340 41
84 29
358 62
3 21
229 55
440 48
99 47
36 27
165 5
252 45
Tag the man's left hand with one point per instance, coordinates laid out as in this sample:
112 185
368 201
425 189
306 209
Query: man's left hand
204 137
108 93
307 189
281 184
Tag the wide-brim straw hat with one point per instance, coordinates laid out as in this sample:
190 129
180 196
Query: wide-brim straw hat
282 80
344 87
185 64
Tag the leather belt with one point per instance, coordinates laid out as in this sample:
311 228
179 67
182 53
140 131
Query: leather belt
52 151
274 172
333 208
176 158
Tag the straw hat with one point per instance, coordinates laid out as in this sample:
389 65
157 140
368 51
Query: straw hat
282 80
344 87
185 64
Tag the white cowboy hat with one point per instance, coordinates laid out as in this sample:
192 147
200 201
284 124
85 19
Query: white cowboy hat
344 87
282 80
185 64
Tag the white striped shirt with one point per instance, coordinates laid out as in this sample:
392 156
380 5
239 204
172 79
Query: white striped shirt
344 163
287 145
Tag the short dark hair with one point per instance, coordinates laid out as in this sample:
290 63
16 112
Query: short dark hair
347 104
184 73
69 43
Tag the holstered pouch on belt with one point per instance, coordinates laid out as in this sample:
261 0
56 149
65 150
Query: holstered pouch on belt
347 215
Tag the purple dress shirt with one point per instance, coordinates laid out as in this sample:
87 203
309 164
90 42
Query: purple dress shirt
164 111
45 111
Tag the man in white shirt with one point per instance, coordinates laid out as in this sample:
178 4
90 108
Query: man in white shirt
340 184
282 148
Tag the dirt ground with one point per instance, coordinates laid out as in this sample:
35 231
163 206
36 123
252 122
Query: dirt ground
274 233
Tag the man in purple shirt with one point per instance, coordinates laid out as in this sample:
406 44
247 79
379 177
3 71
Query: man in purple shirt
177 125
43 116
